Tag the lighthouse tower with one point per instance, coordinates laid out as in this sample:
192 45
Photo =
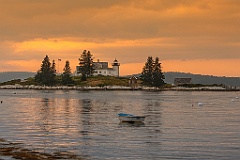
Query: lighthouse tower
116 65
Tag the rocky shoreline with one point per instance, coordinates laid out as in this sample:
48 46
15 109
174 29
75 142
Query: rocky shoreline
204 88
9 150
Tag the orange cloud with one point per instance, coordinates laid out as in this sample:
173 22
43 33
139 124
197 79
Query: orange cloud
219 67
50 45
200 31
20 65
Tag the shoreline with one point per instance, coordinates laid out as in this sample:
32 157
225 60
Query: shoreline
112 88
11 150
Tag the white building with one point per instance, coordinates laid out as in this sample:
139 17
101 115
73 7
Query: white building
101 68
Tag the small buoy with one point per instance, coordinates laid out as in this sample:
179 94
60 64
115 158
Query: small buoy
1 101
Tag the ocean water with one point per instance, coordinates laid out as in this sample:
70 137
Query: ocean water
179 125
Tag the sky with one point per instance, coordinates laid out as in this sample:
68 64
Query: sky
193 36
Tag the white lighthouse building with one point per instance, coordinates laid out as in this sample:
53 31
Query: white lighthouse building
116 66
101 68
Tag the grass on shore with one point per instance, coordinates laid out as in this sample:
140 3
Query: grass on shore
101 81
94 81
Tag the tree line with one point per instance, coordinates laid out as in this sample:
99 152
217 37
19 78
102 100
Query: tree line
47 74
151 74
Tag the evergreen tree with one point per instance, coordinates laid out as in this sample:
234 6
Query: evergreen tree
152 73
147 72
157 74
66 76
47 73
52 79
89 64
82 60
86 64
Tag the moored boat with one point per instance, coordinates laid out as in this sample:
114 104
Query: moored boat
123 117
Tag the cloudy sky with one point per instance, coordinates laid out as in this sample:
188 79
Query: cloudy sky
196 36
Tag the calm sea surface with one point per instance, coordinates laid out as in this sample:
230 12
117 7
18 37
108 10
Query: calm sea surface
85 123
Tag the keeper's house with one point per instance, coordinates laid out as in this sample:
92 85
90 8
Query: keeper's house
101 68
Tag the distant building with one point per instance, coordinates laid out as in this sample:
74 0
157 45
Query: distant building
101 68
133 82
182 81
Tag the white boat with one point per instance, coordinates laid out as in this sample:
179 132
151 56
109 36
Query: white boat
123 117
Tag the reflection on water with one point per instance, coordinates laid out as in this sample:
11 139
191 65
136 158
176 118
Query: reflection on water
86 123
131 124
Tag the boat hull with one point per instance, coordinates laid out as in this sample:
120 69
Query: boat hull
131 118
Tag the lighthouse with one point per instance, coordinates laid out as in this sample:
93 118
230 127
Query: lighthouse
115 66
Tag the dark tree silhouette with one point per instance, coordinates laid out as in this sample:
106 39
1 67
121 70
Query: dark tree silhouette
157 74
147 72
86 64
47 73
152 73
66 76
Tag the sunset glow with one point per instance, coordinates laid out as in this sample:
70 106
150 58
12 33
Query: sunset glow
199 37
